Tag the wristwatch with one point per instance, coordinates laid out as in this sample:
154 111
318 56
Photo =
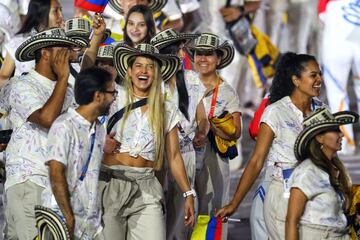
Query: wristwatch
188 193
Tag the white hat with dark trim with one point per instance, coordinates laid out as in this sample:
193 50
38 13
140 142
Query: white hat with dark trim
211 42
106 52
154 5
78 29
49 221
320 121
169 36
49 38
169 64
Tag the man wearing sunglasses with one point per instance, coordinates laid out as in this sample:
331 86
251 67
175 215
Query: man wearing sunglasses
76 143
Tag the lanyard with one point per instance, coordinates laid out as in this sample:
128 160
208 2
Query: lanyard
214 96
85 167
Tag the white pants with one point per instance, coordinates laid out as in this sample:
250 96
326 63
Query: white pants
175 229
20 213
257 221
275 210
309 232
338 62
213 183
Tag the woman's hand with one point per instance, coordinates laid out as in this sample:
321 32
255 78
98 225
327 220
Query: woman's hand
199 140
98 25
189 211
226 212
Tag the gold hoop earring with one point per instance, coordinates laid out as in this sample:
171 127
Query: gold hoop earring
321 146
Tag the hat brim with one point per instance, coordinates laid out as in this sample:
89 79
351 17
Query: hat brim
303 140
226 48
182 37
123 53
26 51
155 5
48 220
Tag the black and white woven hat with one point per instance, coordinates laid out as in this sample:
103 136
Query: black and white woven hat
48 221
106 52
78 29
208 42
49 38
169 64
169 36
320 121
154 5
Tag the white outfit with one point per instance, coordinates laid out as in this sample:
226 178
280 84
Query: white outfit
70 142
132 198
324 206
213 179
338 62
285 121
26 151
174 199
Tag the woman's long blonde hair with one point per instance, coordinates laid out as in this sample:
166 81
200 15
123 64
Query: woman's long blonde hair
156 109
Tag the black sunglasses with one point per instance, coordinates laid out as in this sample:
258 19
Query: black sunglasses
114 93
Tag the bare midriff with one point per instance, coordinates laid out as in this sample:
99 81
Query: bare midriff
126 160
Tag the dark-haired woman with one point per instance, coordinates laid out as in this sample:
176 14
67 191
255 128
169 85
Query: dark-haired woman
320 185
41 16
296 83
139 25
186 91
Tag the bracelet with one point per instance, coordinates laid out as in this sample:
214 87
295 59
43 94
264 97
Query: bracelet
188 193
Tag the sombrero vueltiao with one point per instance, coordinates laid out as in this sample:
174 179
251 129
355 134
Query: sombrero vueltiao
319 121
169 64
49 38
78 29
210 42
169 36
48 221
154 5
106 52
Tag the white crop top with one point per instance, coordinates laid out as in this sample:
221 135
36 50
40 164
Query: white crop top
136 136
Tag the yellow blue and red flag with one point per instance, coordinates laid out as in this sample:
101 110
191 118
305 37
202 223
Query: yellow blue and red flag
207 228
92 5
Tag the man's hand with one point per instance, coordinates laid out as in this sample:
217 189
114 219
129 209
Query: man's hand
70 223
230 14
2 146
111 144
189 211
60 64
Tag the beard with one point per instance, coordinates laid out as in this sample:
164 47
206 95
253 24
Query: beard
105 110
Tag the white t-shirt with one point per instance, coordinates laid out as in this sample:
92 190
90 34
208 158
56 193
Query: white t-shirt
196 91
26 151
324 205
69 142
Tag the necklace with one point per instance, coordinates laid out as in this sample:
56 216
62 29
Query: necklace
140 97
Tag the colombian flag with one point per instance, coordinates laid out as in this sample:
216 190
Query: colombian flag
207 228
92 5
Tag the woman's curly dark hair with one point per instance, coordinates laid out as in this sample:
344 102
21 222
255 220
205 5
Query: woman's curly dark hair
290 64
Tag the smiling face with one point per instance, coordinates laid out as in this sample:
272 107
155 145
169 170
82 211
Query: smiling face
206 61
142 75
331 141
310 81
136 28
